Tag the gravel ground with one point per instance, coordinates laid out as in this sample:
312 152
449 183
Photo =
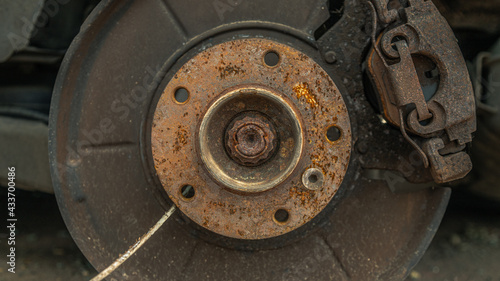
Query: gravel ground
466 247
44 248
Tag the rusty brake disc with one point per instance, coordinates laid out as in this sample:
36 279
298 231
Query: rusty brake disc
260 106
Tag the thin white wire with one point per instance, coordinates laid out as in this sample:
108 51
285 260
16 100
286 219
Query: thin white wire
134 247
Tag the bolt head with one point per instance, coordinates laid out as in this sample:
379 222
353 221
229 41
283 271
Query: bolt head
362 147
313 179
251 139
330 57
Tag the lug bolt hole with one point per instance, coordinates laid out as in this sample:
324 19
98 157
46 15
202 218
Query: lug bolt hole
187 192
281 216
271 59
333 134
181 95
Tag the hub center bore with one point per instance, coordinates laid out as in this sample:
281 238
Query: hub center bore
243 156
251 139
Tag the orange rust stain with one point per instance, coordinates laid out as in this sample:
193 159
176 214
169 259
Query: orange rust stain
229 70
303 90
287 77
303 196
335 159
180 139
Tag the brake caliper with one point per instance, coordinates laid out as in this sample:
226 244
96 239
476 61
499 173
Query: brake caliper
422 84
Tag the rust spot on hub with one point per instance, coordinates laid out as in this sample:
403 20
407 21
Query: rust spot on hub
302 90
251 139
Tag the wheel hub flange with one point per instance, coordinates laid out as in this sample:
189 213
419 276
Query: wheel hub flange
246 136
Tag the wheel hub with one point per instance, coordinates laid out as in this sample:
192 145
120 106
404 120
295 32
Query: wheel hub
251 138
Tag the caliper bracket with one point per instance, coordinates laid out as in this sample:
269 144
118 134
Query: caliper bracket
418 72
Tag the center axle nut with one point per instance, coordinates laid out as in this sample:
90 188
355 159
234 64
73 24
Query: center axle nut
251 139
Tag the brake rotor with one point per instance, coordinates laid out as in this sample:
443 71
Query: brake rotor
154 97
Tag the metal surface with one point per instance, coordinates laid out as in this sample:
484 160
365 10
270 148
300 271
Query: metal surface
313 179
251 139
422 83
109 193
302 104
